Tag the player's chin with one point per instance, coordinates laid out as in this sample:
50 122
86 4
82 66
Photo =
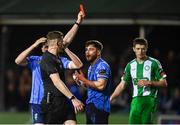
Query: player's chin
141 56
88 58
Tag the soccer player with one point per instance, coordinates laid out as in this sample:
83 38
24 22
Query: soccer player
147 76
55 104
98 83
37 91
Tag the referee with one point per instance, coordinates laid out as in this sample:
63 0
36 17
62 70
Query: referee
55 103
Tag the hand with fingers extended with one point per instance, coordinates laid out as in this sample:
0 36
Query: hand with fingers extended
78 105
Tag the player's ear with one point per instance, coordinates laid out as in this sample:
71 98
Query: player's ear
98 52
133 49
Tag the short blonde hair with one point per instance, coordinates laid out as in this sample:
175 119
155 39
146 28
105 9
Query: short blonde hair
52 35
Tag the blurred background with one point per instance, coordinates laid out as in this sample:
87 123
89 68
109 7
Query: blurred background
113 22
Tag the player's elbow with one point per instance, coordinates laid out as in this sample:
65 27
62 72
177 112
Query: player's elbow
78 66
17 62
20 62
163 83
66 41
75 66
101 88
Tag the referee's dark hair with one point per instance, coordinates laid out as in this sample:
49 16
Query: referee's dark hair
95 43
141 41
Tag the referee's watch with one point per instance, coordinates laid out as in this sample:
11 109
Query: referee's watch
72 97
78 24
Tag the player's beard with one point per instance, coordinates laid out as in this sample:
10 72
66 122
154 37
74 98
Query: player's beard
91 58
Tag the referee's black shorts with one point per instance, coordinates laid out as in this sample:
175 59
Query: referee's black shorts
57 111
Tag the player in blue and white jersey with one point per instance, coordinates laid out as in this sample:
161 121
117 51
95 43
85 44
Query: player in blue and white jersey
98 83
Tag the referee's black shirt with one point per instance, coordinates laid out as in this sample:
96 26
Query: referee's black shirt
51 64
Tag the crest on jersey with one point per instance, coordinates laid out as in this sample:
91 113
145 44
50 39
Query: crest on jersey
147 67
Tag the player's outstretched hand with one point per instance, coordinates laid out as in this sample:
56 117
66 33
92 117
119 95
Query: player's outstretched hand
78 105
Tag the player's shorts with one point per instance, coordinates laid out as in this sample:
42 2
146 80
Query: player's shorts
37 114
95 116
142 109
57 111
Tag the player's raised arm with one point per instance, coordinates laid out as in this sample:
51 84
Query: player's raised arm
75 61
72 32
21 58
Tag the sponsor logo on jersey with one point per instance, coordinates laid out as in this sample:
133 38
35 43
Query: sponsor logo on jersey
102 72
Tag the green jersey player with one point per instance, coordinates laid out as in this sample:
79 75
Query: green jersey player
146 75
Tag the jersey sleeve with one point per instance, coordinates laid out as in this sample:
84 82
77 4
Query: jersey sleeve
159 72
103 71
126 75
65 62
32 60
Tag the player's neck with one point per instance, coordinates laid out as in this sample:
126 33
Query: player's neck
141 60
53 50
95 60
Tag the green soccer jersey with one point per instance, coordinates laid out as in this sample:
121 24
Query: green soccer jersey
150 69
